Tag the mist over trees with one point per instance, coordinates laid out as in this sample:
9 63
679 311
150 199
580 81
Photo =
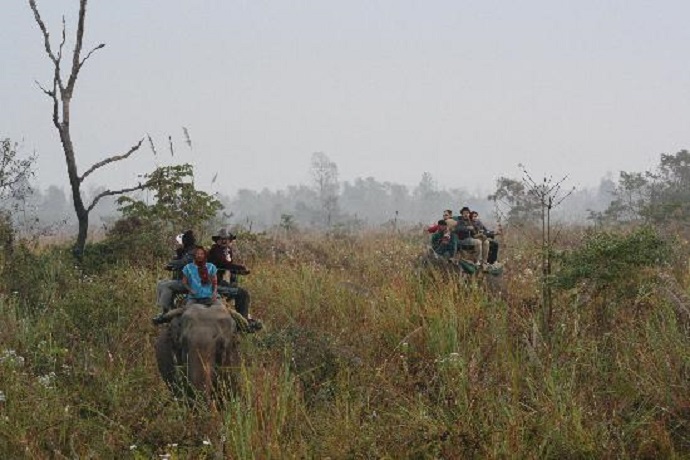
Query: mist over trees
365 202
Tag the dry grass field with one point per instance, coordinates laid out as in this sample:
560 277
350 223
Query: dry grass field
364 354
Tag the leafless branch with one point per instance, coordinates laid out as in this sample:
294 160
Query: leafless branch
64 38
78 43
56 104
187 138
102 45
105 193
152 145
40 86
111 159
44 30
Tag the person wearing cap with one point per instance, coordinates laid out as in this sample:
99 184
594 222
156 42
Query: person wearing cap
220 255
444 242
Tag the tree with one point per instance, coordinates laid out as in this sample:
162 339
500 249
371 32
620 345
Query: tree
325 176
61 94
513 194
15 172
661 195
528 198
177 203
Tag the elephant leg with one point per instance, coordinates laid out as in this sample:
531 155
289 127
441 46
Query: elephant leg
165 356
228 364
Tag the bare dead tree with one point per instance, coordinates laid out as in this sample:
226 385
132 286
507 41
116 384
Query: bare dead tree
549 194
60 93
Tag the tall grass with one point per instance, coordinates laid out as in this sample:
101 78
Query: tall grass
363 355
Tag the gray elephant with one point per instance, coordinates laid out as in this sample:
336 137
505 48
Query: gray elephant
202 342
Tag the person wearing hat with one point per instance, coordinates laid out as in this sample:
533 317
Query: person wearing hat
221 256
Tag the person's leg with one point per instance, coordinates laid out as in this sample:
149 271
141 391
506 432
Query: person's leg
242 301
477 249
493 251
165 293
485 251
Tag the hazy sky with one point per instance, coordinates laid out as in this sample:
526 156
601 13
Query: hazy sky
465 90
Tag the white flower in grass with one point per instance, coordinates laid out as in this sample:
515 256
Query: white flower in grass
206 442
133 447
11 357
47 380
2 397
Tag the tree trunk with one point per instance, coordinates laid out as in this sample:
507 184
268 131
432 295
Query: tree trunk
74 181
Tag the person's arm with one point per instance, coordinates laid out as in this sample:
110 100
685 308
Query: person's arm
453 244
185 282
216 257
214 282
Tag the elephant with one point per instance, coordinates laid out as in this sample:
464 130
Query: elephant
203 342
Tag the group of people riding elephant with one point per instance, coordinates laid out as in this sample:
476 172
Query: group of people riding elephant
453 234
200 274
200 333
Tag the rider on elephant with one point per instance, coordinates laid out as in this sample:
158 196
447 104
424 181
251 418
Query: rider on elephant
220 255
444 241
199 277
167 289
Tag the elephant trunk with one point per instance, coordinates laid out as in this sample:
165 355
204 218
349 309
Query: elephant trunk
200 368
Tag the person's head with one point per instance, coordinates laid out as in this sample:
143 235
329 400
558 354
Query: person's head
465 212
442 225
474 215
200 255
223 237
188 239
447 214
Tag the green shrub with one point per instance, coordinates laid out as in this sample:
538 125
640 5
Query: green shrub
607 259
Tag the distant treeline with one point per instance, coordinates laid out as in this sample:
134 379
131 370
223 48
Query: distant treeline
361 203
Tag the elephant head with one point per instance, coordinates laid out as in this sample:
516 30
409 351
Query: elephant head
203 342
